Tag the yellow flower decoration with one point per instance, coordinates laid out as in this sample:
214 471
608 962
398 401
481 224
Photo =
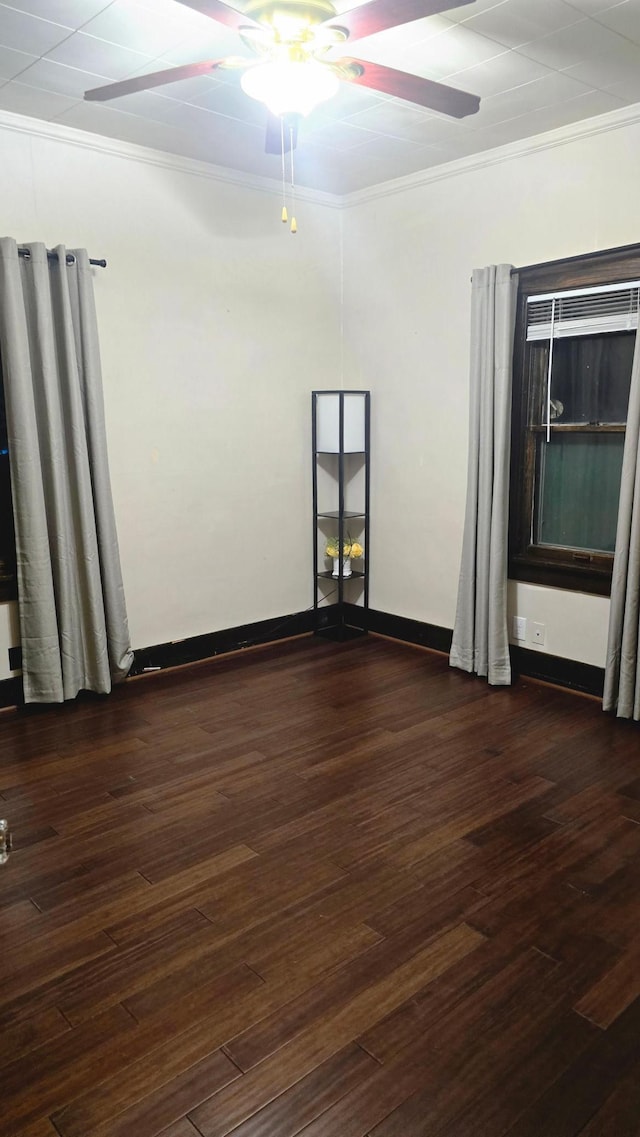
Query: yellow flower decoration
349 548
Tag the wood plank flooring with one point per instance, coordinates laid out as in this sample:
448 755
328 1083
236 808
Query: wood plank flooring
327 890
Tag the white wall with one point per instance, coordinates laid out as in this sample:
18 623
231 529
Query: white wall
215 325
408 262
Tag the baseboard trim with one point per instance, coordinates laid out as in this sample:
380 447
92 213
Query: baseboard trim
195 648
402 628
526 664
11 694
570 673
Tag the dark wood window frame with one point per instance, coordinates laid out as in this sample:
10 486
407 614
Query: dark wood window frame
553 566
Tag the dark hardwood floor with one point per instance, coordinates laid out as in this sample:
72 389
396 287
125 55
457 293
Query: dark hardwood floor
320 889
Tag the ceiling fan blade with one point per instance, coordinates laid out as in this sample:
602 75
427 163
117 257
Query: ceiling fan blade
153 79
413 88
223 13
378 15
276 135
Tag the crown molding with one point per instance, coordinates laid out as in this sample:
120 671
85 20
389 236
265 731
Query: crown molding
85 140
590 127
73 136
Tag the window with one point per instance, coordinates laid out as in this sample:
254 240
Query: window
7 539
575 339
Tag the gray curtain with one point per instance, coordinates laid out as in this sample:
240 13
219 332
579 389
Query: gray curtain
73 621
622 668
480 635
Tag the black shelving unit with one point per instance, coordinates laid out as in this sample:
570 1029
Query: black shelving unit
341 480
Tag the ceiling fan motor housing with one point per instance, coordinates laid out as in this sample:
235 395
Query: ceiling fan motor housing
288 13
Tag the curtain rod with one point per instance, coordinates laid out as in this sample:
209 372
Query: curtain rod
70 257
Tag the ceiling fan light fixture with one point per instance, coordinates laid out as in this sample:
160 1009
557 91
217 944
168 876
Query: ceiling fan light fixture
290 88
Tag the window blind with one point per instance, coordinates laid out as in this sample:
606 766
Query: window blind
584 311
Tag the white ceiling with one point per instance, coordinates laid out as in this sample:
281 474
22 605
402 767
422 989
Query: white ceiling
536 65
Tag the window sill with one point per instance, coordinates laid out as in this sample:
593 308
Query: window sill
549 574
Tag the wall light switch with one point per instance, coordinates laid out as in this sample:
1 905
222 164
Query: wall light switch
519 628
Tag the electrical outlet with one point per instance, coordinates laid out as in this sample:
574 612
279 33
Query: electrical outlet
519 628
537 633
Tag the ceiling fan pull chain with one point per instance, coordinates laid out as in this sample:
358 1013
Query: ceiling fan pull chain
284 216
294 223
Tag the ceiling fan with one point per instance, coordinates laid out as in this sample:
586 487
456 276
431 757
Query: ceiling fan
292 72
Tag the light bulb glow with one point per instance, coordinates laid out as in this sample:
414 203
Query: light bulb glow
290 88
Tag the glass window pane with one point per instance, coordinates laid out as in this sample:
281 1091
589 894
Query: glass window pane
590 378
578 484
